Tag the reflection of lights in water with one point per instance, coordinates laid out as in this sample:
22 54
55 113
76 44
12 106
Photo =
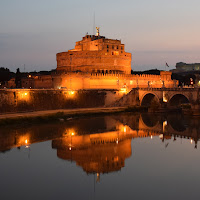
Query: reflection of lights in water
70 148
116 159
164 125
151 136
26 142
117 141
161 136
98 177
191 141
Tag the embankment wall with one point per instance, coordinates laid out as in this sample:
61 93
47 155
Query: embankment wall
24 100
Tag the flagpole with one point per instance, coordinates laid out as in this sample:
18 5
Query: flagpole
166 65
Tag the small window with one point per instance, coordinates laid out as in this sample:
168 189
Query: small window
107 46
113 47
117 47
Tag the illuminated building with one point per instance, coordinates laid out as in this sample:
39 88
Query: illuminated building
100 63
97 62
96 54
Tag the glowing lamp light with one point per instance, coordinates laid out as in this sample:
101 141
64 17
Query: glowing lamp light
69 94
151 136
124 129
23 95
72 133
117 141
26 141
123 90
191 141
164 125
70 148
161 136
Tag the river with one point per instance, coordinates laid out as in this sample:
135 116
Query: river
121 156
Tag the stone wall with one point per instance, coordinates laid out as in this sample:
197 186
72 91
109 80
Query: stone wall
23 100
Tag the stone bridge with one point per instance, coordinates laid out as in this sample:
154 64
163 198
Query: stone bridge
164 97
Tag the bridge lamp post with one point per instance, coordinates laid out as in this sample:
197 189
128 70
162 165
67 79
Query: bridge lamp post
164 126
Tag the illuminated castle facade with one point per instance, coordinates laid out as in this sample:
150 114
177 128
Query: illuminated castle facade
100 63
96 54
97 63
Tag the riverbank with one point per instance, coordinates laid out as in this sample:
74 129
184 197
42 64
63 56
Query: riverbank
60 114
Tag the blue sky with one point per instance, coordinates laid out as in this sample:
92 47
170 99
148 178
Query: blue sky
154 31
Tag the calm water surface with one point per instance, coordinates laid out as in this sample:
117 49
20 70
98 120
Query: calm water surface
126 156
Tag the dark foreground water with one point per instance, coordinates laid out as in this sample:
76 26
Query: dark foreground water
125 156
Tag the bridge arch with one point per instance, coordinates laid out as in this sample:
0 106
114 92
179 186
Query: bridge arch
148 121
148 98
178 99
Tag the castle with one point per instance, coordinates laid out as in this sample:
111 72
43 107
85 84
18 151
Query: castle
96 54
97 63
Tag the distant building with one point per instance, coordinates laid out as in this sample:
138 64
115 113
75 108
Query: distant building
187 67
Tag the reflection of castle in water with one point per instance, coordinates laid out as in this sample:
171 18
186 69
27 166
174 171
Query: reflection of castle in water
98 154
102 144
107 152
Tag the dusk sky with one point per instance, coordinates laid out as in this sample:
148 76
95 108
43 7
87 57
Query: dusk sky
154 31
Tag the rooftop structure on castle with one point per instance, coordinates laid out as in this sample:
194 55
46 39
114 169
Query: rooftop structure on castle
96 53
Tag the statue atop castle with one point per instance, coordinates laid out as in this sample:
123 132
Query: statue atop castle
97 33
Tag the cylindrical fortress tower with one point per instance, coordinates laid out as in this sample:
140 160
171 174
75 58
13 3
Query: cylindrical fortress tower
95 54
